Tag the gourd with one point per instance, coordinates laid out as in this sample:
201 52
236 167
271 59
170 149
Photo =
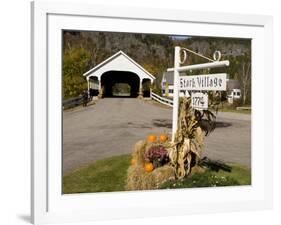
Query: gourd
133 162
151 138
148 167
163 137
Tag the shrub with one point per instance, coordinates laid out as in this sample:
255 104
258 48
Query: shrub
75 63
158 155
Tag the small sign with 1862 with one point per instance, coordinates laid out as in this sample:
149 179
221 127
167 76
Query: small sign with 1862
199 100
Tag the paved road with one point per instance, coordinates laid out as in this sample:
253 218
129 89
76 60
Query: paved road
113 125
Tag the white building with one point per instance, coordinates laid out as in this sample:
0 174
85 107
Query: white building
167 85
233 90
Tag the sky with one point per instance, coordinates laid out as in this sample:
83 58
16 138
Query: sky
179 37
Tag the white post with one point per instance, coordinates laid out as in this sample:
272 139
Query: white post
88 87
140 89
150 88
100 94
176 92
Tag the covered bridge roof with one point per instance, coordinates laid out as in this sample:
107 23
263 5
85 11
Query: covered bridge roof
119 62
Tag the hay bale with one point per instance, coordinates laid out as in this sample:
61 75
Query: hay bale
135 175
138 152
163 174
139 179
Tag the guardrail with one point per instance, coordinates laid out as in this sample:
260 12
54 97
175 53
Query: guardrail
72 102
162 100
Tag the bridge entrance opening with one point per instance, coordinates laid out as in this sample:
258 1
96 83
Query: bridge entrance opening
120 84
121 90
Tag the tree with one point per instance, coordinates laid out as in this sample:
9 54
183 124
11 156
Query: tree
246 77
241 69
75 63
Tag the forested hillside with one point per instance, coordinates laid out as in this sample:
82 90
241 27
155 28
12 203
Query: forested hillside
84 50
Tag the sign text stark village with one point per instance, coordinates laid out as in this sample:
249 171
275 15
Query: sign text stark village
203 82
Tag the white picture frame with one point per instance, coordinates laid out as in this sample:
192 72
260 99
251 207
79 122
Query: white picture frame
47 202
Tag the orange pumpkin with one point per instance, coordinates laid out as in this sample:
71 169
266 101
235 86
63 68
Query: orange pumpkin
163 137
148 167
133 162
152 138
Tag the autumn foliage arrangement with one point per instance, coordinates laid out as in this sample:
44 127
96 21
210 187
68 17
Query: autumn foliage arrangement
150 164
158 159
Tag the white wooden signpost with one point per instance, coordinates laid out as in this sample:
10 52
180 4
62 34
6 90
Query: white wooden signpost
204 82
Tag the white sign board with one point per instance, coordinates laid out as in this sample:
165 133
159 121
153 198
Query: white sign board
204 82
199 100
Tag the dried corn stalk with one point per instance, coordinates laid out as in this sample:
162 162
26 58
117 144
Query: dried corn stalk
187 148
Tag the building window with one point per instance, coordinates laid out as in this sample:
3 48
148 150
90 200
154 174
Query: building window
171 91
163 91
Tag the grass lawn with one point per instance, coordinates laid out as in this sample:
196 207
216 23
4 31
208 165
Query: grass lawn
102 176
110 175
